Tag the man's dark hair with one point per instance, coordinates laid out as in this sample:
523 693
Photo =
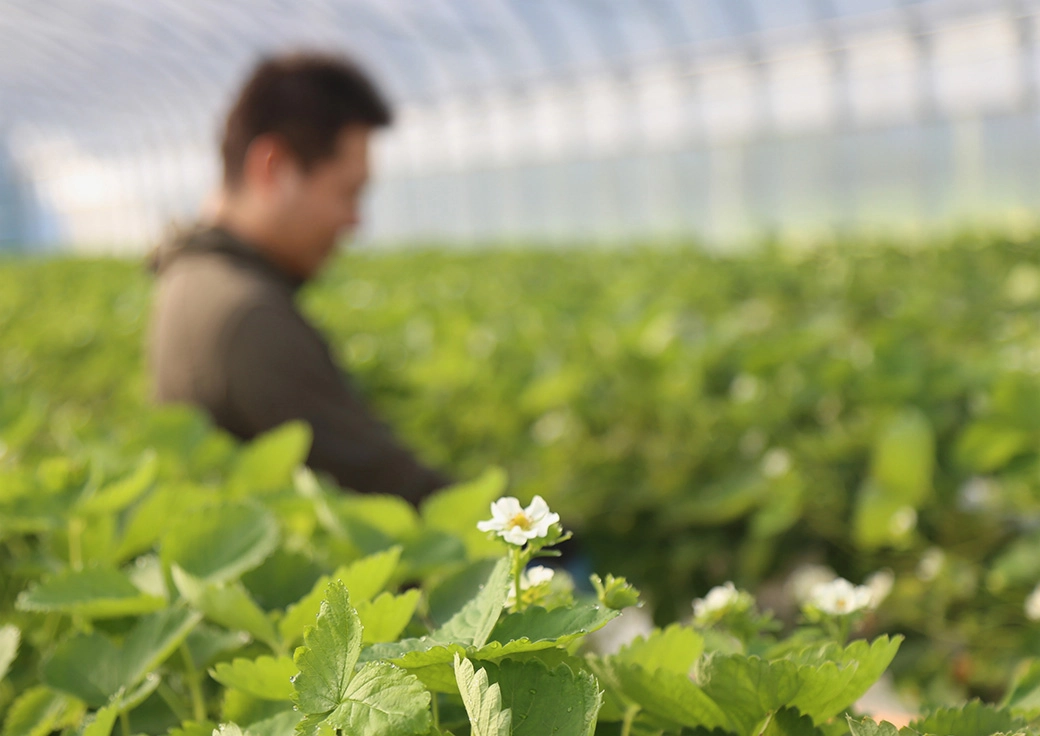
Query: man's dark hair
306 99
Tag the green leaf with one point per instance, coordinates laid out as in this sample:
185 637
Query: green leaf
206 643
383 700
723 501
1017 564
904 456
669 696
547 701
987 446
900 480
388 517
36 712
483 703
102 722
364 578
368 576
748 688
1022 698
241 707
675 649
118 495
194 728
219 543
470 627
973 719
10 637
879 518
282 579
561 625
265 677
867 727
458 509
432 664
228 729
268 462
87 666
473 624
227 604
330 652
449 595
280 724
788 722
149 519
128 699
386 617
826 688
97 539
148 575
96 592
428 552
94 669
870 660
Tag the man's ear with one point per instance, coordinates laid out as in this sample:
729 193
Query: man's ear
266 161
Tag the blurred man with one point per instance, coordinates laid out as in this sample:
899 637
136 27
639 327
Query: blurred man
226 333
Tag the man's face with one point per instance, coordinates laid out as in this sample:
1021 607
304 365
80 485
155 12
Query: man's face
321 206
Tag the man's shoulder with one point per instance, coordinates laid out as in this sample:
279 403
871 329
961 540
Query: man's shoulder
211 287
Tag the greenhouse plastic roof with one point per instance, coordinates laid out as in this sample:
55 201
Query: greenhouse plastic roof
117 65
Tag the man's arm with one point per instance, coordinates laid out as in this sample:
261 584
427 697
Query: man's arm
279 369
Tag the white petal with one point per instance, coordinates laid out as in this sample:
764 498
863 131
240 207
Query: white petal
538 575
537 509
862 598
506 508
1032 606
514 535
880 584
491 525
540 528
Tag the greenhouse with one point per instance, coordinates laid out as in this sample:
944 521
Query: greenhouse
570 120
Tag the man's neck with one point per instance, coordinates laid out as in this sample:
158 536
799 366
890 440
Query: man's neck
246 222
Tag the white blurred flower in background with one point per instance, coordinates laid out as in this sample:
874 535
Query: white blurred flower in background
532 577
880 585
799 586
839 597
1033 605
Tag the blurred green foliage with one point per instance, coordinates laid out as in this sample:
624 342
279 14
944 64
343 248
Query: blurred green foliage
694 417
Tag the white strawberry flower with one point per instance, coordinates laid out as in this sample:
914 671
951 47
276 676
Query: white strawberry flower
532 577
536 575
720 598
1033 605
880 585
518 525
839 597
806 577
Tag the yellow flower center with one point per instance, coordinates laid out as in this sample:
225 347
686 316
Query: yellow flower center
520 520
841 604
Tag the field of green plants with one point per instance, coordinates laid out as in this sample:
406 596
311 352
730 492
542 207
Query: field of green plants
773 419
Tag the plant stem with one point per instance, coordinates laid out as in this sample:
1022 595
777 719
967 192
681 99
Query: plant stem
124 723
434 704
517 572
630 717
173 702
198 704
844 628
